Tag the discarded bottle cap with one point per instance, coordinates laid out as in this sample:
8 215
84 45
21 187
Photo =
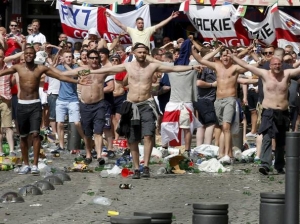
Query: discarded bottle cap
125 186
112 213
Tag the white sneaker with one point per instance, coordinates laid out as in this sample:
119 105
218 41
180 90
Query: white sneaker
24 170
225 160
251 135
35 170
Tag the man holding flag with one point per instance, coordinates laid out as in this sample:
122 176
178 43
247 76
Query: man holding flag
141 34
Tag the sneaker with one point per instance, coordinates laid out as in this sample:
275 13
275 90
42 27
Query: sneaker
251 135
186 154
60 149
263 170
136 175
280 171
110 154
87 161
24 170
35 170
146 172
225 160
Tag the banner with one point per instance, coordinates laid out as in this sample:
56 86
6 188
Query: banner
287 30
77 20
263 31
220 22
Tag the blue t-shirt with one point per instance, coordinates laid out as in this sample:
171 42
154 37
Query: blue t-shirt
67 91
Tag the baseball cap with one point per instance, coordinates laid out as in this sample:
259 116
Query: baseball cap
116 56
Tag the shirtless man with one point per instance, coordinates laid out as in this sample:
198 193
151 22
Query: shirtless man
225 105
139 78
92 106
275 105
29 112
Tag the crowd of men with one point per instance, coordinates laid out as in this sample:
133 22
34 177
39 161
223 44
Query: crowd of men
141 91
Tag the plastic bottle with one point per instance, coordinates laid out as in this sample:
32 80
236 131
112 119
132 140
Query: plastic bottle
161 170
104 173
102 201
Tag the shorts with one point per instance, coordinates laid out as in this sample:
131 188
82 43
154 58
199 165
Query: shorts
118 101
52 106
29 117
43 96
184 118
108 116
14 102
64 108
252 99
147 124
93 117
206 111
6 115
225 109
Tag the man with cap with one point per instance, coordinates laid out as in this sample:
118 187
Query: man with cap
141 34
139 80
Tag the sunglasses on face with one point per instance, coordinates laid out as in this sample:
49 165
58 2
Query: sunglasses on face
115 60
94 58
29 29
268 53
13 25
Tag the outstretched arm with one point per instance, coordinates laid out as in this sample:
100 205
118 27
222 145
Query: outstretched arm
204 60
259 72
294 72
51 73
164 22
13 57
8 71
177 68
107 70
116 21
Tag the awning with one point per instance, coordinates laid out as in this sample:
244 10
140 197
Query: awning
206 2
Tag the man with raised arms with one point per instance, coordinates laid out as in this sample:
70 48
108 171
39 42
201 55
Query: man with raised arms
275 115
29 112
225 105
139 78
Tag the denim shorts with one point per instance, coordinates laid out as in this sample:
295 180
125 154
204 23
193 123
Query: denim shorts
51 99
29 117
64 108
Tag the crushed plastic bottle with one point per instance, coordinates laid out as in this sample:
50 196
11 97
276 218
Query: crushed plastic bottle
161 170
102 201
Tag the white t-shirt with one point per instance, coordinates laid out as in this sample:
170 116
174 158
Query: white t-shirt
54 85
143 36
36 38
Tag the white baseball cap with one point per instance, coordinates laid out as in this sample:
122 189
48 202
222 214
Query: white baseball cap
93 31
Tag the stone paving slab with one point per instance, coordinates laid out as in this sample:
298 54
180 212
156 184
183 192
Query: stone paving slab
72 202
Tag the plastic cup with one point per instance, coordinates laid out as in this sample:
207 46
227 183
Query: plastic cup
104 173
126 172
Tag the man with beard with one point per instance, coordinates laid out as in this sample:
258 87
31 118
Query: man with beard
275 115
92 106
139 78
29 112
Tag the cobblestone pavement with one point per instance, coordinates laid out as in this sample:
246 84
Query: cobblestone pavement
72 202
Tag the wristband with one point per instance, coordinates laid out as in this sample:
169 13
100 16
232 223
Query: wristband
192 67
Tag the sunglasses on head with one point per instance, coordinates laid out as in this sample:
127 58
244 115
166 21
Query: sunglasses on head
268 53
